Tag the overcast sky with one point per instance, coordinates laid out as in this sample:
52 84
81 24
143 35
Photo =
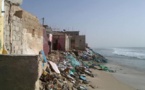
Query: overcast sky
106 23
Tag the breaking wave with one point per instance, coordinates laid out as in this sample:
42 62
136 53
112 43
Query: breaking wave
130 52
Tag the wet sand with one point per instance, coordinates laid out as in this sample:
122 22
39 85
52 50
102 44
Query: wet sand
106 81
132 77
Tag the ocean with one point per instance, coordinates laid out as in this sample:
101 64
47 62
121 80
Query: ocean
133 57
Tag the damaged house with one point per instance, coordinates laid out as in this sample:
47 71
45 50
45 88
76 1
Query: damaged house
23 34
61 41
75 41
21 38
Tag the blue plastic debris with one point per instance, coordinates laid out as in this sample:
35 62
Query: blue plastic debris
83 78
73 61
44 57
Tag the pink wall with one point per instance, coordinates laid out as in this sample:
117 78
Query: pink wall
45 43
61 40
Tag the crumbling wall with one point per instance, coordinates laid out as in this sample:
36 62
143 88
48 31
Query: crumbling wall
80 42
17 2
45 43
32 33
23 34
31 45
60 39
19 72
12 30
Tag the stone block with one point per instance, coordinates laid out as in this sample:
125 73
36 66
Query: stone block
18 19
7 33
19 52
19 43
8 28
14 32
20 27
7 47
22 68
14 43
17 28
14 37
17 38
15 22
14 18
7 38
16 48
19 33
5 23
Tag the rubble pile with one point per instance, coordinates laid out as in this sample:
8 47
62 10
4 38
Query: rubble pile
68 70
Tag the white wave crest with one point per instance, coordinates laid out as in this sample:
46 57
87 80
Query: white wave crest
129 53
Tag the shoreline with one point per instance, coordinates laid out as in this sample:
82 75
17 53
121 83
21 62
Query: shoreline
129 76
106 81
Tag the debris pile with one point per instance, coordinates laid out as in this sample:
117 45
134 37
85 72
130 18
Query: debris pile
68 70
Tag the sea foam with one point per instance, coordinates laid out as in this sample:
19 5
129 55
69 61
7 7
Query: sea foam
130 52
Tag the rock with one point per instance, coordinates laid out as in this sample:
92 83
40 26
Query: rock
92 86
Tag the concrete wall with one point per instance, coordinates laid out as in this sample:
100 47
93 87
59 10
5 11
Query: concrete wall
23 34
45 43
67 43
72 33
18 72
80 42
61 39
75 42
17 2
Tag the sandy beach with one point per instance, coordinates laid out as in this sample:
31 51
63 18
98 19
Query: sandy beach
106 81
129 76
125 78
129 66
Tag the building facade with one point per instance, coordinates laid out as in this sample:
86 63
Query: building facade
23 34
79 42
61 42
76 41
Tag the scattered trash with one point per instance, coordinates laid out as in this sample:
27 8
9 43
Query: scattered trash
68 70
102 67
91 86
82 77
73 61
54 67
82 88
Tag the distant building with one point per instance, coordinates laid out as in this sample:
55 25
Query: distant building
48 39
70 33
48 29
61 42
76 41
